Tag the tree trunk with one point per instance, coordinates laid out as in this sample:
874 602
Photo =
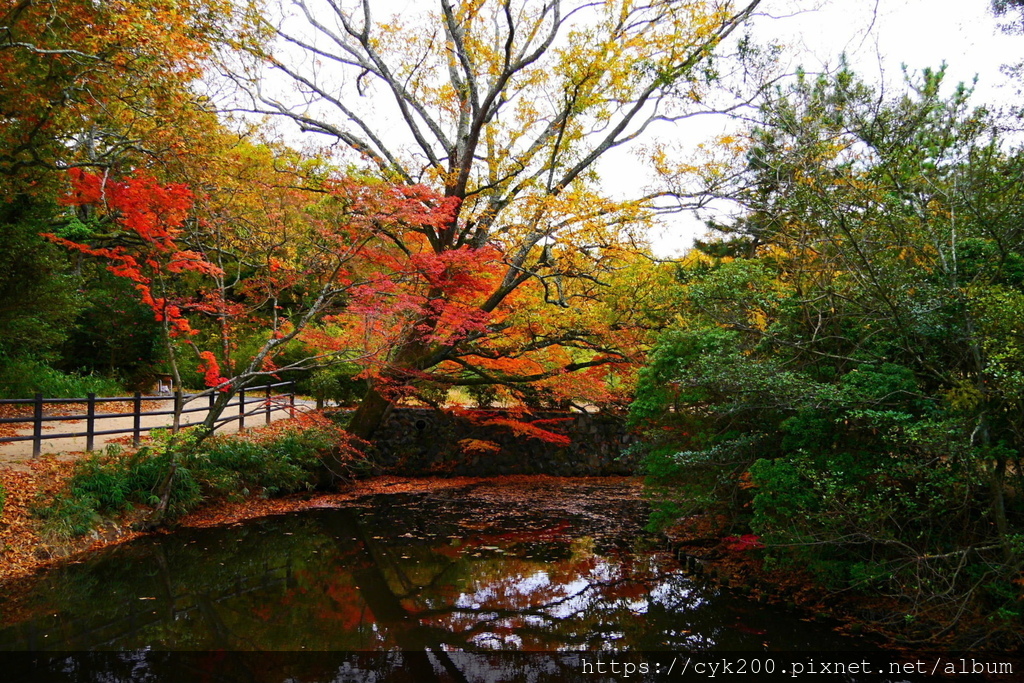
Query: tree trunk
156 518
370 414
997 489
216 410
411 358
166 487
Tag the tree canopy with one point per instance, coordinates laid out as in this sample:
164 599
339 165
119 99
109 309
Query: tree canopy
847 361
506 109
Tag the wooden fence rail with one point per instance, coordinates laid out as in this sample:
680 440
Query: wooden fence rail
264 399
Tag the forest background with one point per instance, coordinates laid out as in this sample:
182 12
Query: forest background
837 371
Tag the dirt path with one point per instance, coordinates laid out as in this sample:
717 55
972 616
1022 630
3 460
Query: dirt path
16 454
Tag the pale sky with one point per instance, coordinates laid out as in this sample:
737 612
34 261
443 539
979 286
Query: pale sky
918 33
878 38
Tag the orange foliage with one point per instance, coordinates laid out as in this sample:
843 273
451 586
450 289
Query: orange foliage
152 214
116 71
210 369
530 430
478 446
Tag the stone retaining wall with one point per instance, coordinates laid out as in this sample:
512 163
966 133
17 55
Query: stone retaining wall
421 441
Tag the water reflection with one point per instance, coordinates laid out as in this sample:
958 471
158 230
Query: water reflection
425 573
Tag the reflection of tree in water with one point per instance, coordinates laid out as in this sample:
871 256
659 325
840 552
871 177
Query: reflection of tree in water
415 575
436 600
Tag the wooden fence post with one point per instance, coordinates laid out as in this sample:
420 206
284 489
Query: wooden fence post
268 403
241 410
291 398
90 421
37 426
137 426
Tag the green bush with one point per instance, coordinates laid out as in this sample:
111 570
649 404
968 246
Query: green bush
146 471
483 395
24 378
3 497
336 384
67 516
108 483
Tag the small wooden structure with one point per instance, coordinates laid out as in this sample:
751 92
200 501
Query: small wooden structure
164 384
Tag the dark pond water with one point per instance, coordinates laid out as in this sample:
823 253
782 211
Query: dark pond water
556 568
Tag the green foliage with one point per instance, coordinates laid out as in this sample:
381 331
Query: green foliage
483 395
24 377
785 494
66 326
658 390
846 375
336 384
692 482
38 297
287 464
108 483
3 497
114 334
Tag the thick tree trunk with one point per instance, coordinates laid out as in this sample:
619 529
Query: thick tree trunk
410 359
372 411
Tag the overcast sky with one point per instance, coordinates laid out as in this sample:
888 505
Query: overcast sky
919 33
878 38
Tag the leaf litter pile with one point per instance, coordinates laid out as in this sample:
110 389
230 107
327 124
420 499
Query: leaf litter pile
23 549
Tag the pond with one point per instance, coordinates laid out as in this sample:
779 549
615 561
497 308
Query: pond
557 566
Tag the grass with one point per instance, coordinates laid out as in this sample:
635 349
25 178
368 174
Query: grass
264 463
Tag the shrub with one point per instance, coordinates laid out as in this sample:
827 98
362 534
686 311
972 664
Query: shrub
108 483
22 379
336 383
269 462
235 465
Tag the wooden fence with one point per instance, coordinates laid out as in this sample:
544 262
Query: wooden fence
263 400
